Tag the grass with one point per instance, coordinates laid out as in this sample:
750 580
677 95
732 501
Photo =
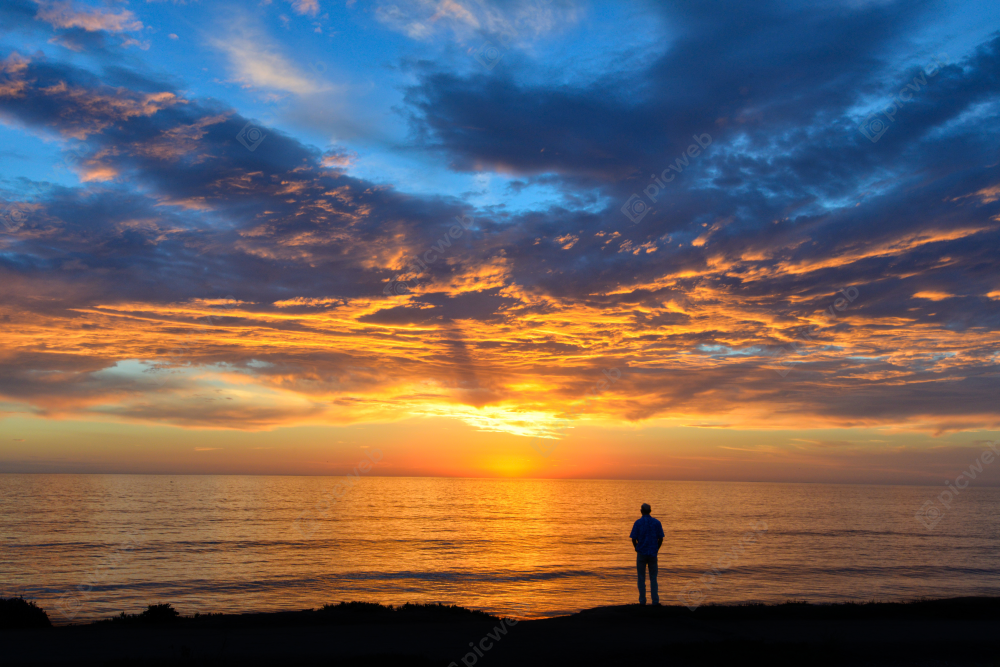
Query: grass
343 613
155 614
408 609
21 613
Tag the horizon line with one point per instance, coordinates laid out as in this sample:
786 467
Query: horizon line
993 485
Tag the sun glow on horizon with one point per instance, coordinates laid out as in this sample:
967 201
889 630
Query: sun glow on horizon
509 466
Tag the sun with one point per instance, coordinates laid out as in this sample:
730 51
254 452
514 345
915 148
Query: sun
508 466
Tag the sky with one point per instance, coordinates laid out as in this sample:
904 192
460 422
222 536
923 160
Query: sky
543 238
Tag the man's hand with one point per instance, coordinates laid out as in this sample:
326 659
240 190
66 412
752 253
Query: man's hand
635 544
659 544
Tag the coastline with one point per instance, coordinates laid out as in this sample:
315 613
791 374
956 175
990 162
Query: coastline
928 632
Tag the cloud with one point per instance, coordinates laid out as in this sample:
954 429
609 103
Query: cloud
259 64
933 296
91 19
72 109
305 7
792 243
517 22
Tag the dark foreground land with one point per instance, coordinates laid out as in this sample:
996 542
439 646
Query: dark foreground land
963 631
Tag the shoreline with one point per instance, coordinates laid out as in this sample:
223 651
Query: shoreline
932 632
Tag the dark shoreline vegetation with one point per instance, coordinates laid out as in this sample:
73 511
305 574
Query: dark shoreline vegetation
330 614
926 632
20 613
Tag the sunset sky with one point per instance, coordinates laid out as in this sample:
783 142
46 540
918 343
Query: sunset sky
547 238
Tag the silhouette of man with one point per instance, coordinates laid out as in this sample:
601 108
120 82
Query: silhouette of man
647 538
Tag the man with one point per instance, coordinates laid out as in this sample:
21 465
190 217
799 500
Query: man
647 538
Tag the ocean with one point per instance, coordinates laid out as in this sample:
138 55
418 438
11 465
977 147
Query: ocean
90 546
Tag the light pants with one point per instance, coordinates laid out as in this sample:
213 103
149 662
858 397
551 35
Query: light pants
641 562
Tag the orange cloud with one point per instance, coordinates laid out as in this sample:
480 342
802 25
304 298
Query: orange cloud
933 296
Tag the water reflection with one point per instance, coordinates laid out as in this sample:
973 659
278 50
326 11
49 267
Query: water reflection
229 543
